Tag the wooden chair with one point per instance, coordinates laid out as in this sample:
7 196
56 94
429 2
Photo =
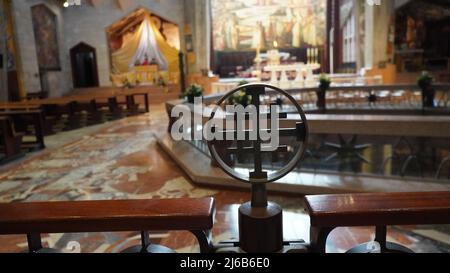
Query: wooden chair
380 210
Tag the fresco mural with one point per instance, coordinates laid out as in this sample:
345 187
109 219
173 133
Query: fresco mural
251 24
45 34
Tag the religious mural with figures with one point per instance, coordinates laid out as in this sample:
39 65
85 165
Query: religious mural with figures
45 33
251 24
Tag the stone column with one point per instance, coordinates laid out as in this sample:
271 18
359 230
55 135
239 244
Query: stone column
369 36
3 52
358 53
376 33
197 15
25 48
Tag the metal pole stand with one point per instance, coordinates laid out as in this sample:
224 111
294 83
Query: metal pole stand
261 229
260 221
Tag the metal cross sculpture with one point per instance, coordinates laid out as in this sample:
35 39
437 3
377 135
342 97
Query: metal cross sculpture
260 221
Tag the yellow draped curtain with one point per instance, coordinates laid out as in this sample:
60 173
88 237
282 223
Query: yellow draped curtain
122 58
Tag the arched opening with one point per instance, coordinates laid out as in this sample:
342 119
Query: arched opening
84 66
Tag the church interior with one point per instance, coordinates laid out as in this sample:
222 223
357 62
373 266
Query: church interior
132 126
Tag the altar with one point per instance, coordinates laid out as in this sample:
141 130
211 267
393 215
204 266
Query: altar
276 64
304 75
145 57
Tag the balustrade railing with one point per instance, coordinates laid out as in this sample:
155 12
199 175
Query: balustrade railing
374 156
367 97
391 155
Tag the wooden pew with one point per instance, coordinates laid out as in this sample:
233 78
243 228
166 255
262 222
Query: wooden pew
75 107
91 106
53 109
125 97
21 121
33 219
131 99
49 121
19 106
380 210
72 107
10 140
109 99
115 108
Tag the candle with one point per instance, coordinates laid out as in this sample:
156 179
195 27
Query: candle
274 55
316 59
308 56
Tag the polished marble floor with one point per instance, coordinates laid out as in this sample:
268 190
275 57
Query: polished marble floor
121 160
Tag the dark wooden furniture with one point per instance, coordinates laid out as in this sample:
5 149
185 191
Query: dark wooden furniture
328 212
48 121
131 100
68 113
33 219
10 140
25 117
72 106
37 96
13 85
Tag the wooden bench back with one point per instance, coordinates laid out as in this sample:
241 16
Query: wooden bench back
107 216
379 209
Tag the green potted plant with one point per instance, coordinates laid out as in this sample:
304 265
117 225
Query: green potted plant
160 82
241 97
192 92
425 82
324 85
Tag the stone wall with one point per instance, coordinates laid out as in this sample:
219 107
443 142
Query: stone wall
56 82
88 24
3 93
76 24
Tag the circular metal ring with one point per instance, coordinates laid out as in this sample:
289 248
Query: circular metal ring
299 153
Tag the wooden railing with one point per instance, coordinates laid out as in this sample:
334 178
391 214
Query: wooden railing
383 127
33 219
379 210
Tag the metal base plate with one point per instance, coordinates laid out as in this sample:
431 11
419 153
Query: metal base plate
261 228
150 249
390 248
289 247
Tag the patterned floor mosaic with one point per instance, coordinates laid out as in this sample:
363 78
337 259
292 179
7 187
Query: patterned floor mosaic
122 161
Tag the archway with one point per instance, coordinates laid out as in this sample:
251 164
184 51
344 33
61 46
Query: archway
144 50
84 66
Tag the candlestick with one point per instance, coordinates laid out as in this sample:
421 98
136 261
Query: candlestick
258 61
309 56
316 59
273 57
